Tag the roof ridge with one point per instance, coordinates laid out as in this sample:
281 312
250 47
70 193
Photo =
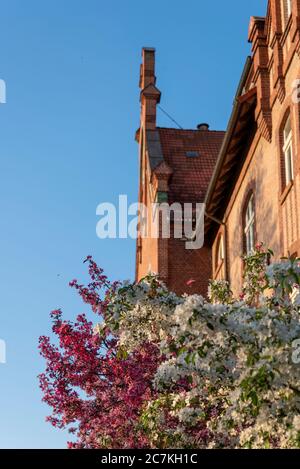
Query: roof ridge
191 130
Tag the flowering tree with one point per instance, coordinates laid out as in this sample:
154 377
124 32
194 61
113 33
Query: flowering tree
165 371
89 380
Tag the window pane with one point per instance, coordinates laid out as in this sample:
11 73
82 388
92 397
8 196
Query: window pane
287 129
221 250
248 243
287 10
289 165
249 226
288 152
251 237
289 7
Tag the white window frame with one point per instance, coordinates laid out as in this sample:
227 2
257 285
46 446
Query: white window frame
249 229
288 151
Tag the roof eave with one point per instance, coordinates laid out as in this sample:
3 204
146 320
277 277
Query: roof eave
229 132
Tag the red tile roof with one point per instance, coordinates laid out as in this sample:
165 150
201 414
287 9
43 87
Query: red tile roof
191 175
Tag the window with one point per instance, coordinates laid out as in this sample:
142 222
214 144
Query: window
161 197
219 252
294 296
139 249
288 151
287 10
192 154
249 226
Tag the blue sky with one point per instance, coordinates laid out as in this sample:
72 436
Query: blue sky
67 144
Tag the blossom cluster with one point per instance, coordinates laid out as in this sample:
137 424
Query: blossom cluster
166 371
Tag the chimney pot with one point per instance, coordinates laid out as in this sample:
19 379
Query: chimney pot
203 126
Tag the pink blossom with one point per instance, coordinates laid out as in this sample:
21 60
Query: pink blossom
89 388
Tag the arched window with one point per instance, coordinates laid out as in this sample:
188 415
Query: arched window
249 226
288 151
287 10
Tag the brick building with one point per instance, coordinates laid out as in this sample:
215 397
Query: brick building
254 192
249 178
175 166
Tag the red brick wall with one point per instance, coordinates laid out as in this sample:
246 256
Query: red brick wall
185 265
276 51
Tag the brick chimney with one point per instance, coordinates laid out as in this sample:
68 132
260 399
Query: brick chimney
150 95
